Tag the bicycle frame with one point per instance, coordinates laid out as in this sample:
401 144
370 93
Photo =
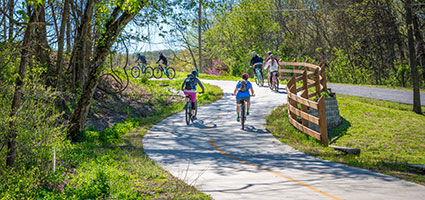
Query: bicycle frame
257 70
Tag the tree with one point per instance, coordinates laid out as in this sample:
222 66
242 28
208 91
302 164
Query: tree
118 18
412 54
27 46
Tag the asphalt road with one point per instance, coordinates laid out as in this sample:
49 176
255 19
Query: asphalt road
401 96
221 160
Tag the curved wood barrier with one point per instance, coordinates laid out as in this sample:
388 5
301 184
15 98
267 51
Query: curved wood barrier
311 76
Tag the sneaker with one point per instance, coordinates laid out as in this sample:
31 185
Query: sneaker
238 119
194 118
247 112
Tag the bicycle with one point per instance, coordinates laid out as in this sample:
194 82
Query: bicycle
258 77
135 71
188 112
168 71
243 113
274 85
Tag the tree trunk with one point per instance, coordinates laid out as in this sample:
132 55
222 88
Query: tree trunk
421 44
79 56
17 97
113 27
11 10
42 46
59 61
68 32
412 55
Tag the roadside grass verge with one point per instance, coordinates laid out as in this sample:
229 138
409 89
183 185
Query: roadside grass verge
389 135
111 163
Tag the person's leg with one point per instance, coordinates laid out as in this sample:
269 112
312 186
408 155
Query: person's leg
238 109
193 99
248 105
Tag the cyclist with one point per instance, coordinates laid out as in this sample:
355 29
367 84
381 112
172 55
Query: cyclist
189 88
163 59
242 94
272 65
256 62
141 58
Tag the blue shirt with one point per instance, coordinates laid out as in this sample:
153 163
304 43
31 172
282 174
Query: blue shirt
246 93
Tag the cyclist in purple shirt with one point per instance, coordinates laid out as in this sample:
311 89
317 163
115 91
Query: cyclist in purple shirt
242 93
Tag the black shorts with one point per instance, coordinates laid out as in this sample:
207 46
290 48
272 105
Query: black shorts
240 99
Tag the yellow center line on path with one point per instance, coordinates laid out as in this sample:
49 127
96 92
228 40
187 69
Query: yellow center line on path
271 171
220 116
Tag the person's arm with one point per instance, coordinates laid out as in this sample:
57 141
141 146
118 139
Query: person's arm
202 86
236 89
277 61
252 91
252 62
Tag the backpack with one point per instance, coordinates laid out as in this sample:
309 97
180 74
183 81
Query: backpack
189 82
243 83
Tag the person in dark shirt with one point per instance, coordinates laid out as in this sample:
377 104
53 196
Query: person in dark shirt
141 58
163 59
256 62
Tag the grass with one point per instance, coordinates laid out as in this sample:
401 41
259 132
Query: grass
388 134
111 164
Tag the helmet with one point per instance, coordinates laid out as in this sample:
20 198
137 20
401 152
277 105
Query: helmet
245 75
195 73
254 53
269 52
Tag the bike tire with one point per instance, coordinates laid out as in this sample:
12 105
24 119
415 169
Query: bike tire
149 72
171 73
157 72
257 81
135 72
243 115
188 114
277 85
196 108
262 81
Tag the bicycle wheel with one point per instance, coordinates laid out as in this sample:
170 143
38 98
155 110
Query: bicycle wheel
261 80
243 115
171 73
188 115
196 108
135 72
257 81
277 85
148 72
157 72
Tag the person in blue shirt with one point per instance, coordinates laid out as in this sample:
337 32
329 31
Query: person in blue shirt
242 93
141 58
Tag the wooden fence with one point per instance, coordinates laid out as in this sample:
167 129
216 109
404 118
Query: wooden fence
311 76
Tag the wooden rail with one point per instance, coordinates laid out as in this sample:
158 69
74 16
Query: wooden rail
311 76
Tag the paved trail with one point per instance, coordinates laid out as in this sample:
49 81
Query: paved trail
219 159
401 96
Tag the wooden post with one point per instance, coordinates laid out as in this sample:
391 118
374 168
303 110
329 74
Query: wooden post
317 81
54 160
323 74
304 94
322 122
293 90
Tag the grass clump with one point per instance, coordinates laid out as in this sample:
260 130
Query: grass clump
389 135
